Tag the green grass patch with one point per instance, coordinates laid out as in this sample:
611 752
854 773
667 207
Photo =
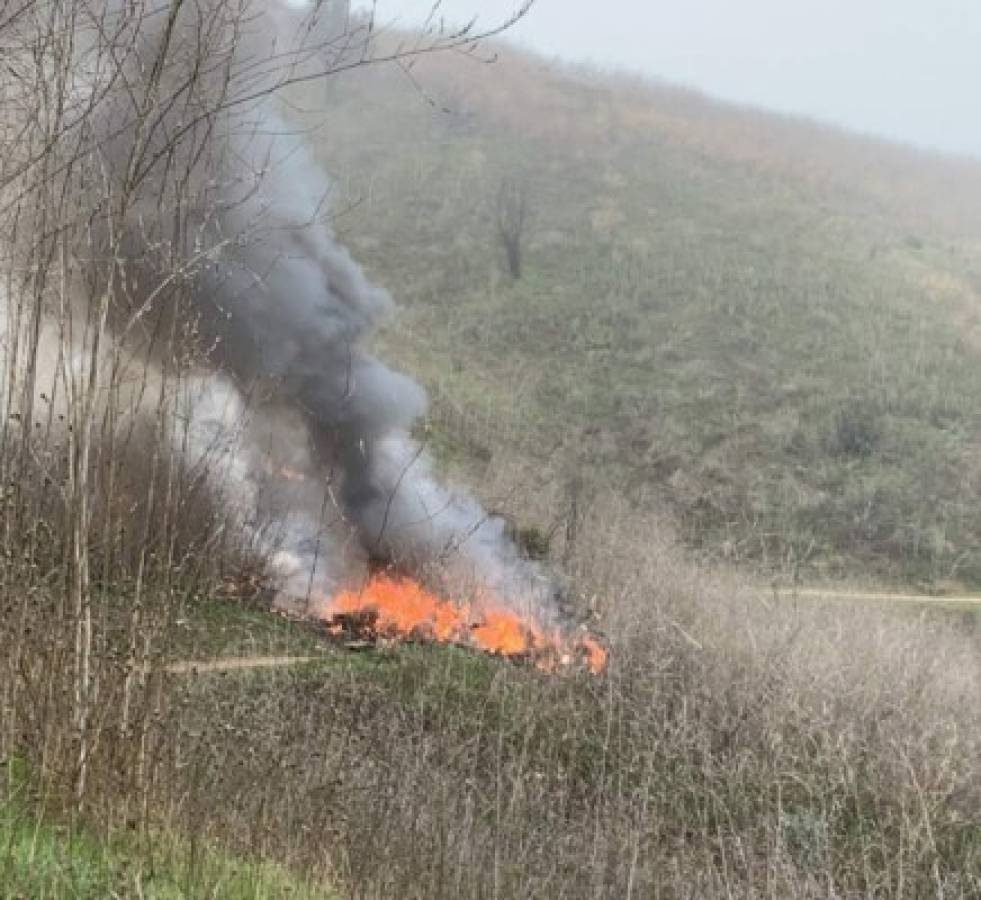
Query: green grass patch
212 629
41 860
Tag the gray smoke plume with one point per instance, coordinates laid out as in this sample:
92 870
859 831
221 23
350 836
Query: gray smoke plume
323 447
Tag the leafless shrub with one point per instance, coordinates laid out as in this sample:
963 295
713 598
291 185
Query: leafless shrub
114 119
512 222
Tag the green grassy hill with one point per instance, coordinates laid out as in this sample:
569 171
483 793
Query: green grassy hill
767 327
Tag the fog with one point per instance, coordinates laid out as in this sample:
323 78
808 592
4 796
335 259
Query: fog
908 70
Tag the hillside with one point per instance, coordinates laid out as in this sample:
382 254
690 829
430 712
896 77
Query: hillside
766 327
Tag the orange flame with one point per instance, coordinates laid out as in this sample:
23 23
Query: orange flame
401 608
596 654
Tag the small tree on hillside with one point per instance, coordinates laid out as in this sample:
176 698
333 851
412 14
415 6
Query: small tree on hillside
512 221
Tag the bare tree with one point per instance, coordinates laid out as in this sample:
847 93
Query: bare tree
512 221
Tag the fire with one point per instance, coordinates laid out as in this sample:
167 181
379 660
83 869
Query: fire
596 654
503 631
402 609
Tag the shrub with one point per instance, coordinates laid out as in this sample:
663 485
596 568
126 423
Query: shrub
857 429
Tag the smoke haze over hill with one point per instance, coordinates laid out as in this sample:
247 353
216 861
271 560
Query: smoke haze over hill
901 69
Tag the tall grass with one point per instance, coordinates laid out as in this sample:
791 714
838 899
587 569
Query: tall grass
736 747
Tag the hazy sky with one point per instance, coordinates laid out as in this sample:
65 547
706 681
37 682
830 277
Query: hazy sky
907 69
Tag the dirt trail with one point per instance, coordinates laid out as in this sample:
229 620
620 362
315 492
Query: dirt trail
879 597
235 663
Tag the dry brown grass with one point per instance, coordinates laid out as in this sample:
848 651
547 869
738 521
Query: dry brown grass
735 748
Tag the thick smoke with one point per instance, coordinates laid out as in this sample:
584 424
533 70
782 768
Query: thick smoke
322 449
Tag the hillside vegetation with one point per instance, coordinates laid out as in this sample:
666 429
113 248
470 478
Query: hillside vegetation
765 326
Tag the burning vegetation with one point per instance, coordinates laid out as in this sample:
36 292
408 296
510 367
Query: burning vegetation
399 608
